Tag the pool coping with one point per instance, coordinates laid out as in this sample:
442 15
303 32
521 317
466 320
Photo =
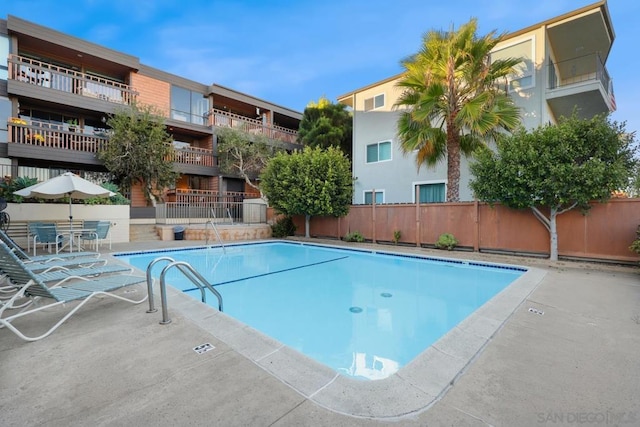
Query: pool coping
412 389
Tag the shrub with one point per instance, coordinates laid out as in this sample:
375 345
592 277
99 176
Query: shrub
396 236
9 185
118 199
283 227
446 241
354 236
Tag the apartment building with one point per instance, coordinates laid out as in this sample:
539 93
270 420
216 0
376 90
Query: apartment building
564 68
56 92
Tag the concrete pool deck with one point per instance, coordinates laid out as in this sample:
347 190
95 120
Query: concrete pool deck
113 364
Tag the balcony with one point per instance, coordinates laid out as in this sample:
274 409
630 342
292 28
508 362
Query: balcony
195 161
583 83
50 141
221 118
43 134
32 73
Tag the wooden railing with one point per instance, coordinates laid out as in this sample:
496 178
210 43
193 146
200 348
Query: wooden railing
221 118
193 156
67 80
52 135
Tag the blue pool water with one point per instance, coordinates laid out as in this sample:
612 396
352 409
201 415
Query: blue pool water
363 314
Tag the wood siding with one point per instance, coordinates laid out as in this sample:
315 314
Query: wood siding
605 233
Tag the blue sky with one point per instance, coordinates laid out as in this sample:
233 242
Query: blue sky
291 52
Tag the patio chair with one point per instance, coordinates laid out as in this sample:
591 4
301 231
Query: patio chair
31 233
47 234
31 288
100 232
24 256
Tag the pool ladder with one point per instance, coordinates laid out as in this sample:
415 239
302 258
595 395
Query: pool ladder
189 272
215 229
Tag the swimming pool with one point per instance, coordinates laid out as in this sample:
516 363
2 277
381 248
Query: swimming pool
364 314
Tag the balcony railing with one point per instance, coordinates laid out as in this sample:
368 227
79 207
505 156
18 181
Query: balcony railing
51 135
221 118
43 134
245 212
193 156
67 80
192 197
583 69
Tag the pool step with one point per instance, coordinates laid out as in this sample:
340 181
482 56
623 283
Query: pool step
143 233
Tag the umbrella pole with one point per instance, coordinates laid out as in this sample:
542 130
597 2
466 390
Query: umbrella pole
70 225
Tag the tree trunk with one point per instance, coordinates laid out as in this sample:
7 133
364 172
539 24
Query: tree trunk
306 225
247 180
550 225
453 164
151 197
553 235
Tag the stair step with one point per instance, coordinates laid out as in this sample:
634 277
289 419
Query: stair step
143 232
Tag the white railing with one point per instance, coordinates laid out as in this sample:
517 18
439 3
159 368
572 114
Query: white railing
200 213
67 80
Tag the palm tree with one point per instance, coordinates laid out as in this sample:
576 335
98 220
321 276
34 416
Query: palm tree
451 101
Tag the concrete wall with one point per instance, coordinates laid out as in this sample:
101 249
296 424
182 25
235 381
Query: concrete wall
118 215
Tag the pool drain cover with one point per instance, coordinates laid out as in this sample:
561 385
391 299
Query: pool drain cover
385 295
355 310
203 348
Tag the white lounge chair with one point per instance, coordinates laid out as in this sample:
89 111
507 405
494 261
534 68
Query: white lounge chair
31 288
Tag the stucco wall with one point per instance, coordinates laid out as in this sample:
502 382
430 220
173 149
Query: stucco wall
397 178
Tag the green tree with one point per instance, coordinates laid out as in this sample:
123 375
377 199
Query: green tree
244 154
555 168
138 151
309 182
325 124
451 101
633 188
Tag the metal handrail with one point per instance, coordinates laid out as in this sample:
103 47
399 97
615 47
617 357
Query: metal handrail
191 274
215 230
152 308
230 217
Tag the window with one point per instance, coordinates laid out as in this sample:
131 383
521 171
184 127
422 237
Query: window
5 111
4 55
188 106
523 76
431 193
379 152
373 103
368 197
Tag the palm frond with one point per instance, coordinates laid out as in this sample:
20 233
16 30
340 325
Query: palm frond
452 80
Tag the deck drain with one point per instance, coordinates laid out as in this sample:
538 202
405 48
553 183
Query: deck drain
386 295
355 310
535 311
203 348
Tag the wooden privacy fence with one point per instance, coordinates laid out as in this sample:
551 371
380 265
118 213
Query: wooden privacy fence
605 233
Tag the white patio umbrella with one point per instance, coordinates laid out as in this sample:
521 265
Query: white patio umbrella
67 184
